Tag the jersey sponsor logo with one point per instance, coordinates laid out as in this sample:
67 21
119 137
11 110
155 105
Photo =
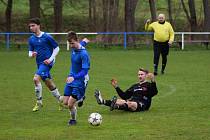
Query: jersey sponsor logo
139 89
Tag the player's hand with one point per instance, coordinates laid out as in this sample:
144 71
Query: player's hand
148 21
150 77
34 54
69 79
86 40
47 61
170 43
114 83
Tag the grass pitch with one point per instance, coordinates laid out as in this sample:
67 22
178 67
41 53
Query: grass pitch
180 111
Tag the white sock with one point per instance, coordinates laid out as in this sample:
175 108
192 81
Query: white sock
38 93
73 113
56 94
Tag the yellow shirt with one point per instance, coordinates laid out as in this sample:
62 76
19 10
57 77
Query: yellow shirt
162 32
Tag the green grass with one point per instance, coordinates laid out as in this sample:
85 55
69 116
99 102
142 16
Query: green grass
180 111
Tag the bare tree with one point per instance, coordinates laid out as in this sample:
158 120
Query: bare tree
34 8
206 6
95 15
110 18
192 16
170 11
58 15
92 15
105 15
130 7
153 10
193 19
110 14
8 14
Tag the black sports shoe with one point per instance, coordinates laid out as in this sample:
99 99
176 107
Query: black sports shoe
162 72
80 103
72 122
98 97
113 103
155 73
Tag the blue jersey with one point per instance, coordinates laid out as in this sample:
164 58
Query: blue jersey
79 60
43 45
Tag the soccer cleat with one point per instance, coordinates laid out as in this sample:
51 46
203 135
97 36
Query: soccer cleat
72 122
60 103
162 72
155 73
80 103
113 103
98 96
61 106
37 107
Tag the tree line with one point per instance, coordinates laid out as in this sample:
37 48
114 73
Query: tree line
103 15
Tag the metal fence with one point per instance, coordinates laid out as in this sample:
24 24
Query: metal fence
180 37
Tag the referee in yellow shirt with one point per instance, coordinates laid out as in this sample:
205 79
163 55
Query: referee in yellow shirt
163 39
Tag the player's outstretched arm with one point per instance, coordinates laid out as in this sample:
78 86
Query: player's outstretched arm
150 77
86 40
114 83
147 25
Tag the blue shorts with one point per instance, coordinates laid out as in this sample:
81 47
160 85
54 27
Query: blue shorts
44 71
76 92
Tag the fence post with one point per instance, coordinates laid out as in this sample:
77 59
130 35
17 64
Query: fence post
125 40
182 41
7 40
67 45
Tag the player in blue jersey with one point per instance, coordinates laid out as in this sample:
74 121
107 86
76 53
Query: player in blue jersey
77 79
44 48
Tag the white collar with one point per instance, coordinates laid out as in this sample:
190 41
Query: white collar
40 34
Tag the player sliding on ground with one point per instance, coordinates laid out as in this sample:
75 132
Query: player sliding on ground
137 98
44 48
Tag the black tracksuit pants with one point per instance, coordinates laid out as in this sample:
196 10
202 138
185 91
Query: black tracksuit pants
160 48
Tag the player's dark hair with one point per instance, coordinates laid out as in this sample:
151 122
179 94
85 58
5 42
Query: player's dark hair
35 20
144 70
72 35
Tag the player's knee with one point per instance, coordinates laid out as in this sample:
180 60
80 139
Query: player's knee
70 106
65 102
132 106
36 79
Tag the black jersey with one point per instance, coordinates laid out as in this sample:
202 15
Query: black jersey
139 93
